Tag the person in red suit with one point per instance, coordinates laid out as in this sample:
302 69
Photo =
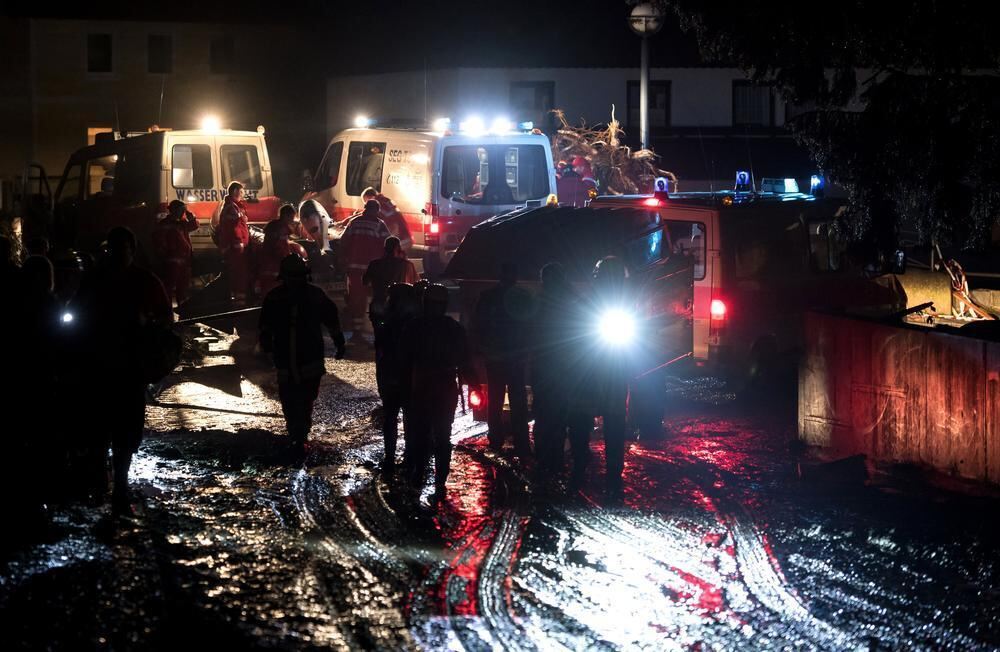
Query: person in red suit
233 238
362 242
172 245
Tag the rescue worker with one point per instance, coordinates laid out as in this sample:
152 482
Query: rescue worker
172 246
382 273
291 330
434 353
275 249
583 168
557 339
391 215
609 378
118 307
571 189
289 216
401 306
362 242
233 238
499 326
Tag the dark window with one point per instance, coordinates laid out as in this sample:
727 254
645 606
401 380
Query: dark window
241 163
99 53
69 189
192 166
468 174
160 49
137 175
329 169
659 105
688 239
364 167
534 101
777 251
753 104
222 55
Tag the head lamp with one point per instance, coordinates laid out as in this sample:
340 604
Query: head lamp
616 327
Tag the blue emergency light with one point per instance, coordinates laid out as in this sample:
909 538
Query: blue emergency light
744 182
526 126
817 185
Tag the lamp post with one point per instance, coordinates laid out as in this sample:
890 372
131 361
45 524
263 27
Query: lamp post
645 20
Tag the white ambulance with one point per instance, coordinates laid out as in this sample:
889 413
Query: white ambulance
129 181
443 182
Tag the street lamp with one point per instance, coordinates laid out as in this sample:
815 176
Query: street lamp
645 20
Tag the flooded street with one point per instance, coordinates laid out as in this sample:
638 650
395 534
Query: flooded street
725 539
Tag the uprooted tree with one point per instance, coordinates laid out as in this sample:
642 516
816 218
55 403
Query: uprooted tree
618 168
900 101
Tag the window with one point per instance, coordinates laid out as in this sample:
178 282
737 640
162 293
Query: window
101 176
688 239
99 53
137 175
160 54
468 174
329 169
647 247
659 104
69 189
221 55
533 100
753 104
241 163
192 166
364 167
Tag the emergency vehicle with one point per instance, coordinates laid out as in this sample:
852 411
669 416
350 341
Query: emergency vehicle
129 180
761 259
443 182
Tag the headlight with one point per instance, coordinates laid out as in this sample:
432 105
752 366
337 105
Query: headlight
616 327
67 318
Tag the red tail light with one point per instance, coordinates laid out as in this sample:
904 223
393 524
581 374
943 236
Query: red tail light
717 310
435 228
651 201
476 398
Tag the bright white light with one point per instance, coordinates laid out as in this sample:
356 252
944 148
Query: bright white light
67 317
441 124
473 126
501 125
419 158
362 121
211 123
791 185
616 327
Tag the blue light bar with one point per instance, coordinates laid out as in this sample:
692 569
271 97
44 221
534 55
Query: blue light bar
526 126
743 181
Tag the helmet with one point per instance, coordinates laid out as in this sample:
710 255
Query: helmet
436 293
582 166
372 205
293 267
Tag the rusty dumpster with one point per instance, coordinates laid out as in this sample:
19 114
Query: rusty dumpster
900 393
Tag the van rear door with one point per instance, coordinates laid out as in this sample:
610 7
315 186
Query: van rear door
244 159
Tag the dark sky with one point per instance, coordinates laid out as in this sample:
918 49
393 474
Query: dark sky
383 35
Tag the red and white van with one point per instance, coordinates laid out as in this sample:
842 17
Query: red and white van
442 182
129 181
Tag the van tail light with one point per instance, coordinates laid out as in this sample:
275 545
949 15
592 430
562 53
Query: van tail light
435 228
432 237
476 398
718 310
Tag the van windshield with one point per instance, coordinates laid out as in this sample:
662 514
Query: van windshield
494 174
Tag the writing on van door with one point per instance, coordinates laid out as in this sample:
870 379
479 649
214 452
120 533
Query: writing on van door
212 194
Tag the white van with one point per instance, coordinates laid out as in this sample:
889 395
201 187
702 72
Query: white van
129 181
443 183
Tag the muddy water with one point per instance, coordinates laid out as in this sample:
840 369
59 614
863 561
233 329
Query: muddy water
723 540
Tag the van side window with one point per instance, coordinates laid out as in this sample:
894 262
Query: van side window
192 166
688 239
329 169
101 176
137 175
241 163
364 167
826 251
70 188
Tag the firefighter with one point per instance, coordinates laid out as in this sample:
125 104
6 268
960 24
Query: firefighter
499 333
117 308
275 249
172 245
362 242
609 377
434 354
391 268
391 215
291 330
233 238
401 306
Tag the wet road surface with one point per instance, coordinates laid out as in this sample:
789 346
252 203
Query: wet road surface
725 539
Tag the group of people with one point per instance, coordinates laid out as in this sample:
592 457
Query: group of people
92 338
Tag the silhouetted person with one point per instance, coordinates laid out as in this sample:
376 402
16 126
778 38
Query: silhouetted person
391 268
118 307
233 238
37 246
291 330
434 354
401 307
172 246
499 332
